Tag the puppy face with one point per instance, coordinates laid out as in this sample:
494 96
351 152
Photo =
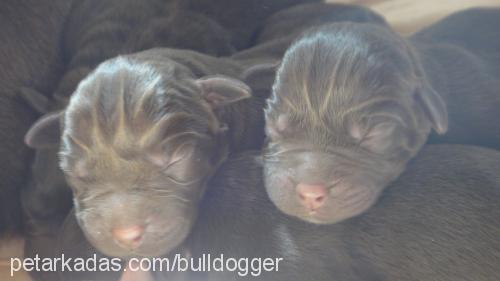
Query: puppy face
350 107
140 140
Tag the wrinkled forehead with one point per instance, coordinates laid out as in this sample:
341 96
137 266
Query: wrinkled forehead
331 73
129 85
125 101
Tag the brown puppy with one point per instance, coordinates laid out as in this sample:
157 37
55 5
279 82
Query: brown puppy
353 103
141 136
29 57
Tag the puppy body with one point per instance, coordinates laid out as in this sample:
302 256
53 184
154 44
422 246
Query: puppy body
243 18
353 103
100 30
295 20
463 67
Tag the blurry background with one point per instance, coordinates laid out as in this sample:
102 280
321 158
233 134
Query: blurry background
406 16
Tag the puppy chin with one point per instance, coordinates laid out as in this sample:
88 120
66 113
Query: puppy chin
325 217
111 249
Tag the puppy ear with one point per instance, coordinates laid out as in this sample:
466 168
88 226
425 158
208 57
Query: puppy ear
220 91
427 98
379 138
45 132
434 108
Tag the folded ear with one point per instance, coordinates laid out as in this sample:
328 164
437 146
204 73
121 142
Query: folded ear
220 91
379 138
427 98
45 132
434 107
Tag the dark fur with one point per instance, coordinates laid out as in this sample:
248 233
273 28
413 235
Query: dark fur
242 18
407 236
99 30
29 57
295 20
127 120
46 202
283 27
96 31
255 67
353 103
461 57
178 70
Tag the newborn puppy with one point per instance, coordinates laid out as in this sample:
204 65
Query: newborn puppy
29 57
141 136
353 103
439 221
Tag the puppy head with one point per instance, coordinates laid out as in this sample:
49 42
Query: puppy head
139 141
350 106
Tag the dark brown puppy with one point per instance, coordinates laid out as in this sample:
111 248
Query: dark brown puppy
29 57
353 103
96 31
142 135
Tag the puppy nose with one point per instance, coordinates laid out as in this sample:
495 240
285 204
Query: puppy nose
312 196
130 236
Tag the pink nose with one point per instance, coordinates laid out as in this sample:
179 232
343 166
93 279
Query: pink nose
312 196
130 236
